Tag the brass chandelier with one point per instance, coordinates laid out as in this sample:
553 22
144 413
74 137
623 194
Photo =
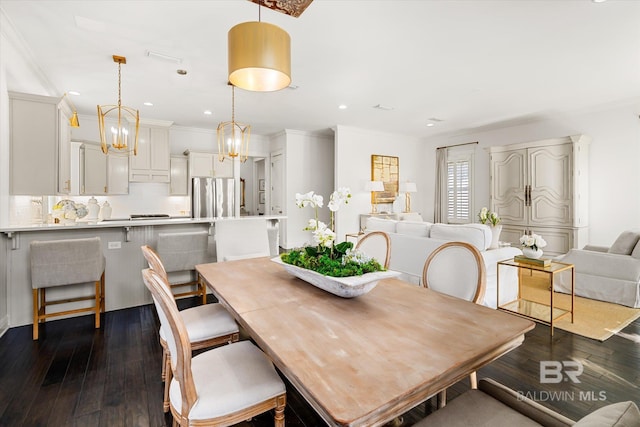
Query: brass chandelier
233 137
118 138
259 56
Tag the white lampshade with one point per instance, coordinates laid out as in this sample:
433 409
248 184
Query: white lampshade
408 187
374 186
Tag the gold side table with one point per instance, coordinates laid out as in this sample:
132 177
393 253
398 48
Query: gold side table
541 312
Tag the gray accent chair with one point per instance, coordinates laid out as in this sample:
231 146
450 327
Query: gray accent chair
494 405
181 252
57 263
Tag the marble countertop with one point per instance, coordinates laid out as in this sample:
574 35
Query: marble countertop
113 223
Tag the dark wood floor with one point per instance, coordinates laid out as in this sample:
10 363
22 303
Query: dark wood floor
78 376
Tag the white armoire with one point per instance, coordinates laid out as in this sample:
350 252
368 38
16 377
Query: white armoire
543 187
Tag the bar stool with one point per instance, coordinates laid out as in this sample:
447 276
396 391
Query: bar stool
182 252
56 263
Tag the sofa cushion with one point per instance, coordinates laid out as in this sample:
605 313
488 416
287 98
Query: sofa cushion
410 216
625 243
478 235
414 228
379 224
636 251
623 414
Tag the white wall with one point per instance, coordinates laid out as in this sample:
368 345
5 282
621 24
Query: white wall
353 150
614 166
309 167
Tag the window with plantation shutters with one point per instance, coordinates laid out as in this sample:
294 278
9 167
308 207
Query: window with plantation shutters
459 186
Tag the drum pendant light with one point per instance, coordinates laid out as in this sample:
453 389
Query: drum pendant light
259 57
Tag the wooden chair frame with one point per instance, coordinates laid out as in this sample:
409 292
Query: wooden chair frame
478 296
386 239
40 305
482 274
182 372
155 263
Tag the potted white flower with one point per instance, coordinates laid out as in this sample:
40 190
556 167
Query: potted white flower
336 268
532 245
491 219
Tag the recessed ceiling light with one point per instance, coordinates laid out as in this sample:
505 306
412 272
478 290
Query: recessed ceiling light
148 104
207 113
181 72
383 107
598 1
73 92
430 124
164 56
342 107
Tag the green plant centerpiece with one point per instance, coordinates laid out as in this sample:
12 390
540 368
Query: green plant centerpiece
324 256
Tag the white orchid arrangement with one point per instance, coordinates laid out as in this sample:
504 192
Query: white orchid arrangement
533 241
487 216
323 235
326 257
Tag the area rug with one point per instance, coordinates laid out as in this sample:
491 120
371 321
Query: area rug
593 319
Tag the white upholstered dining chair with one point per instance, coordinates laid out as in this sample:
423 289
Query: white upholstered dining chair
207 325
222 386
247 238
456 269
377 245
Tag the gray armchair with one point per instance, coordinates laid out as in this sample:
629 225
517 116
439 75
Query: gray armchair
609 274
494 405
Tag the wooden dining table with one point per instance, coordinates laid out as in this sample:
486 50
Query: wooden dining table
361 361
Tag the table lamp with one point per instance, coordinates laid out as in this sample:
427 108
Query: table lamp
408 188
374 187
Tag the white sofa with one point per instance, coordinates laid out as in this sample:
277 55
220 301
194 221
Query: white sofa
413 241
603 273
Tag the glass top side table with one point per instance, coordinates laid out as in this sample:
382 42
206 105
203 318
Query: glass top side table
546 313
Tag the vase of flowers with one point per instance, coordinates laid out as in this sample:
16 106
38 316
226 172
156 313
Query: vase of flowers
491 219
532 245
67 211
336 268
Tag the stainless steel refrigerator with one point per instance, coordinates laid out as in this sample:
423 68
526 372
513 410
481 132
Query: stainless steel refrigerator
212 197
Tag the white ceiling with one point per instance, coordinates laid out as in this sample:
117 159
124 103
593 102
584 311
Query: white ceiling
469 63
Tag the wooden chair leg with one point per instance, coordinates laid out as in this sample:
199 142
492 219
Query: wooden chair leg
473 378
167 383
98 304
36 308
202 287
164 364
278 418
102 294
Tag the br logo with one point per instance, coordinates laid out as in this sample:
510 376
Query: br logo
553 372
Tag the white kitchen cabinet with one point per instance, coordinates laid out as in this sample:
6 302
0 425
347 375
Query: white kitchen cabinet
103 174
207 165
151 164
542 186
178 186
33 130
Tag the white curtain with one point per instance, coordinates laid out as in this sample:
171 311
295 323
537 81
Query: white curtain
440 205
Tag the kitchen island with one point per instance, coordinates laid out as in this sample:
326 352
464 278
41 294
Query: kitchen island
121 241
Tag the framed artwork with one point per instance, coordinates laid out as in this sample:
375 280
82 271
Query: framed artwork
261 185
387 170
261 197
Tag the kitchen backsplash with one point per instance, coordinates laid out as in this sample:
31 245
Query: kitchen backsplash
143 198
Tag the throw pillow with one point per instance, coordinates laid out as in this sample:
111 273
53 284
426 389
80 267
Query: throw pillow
413 228
623 414
625 243
636 251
